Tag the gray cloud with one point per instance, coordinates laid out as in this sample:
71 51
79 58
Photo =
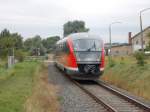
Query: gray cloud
46 17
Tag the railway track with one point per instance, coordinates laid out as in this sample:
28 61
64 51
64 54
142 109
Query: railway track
111 99
129 99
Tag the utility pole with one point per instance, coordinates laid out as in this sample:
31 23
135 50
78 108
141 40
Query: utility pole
110 41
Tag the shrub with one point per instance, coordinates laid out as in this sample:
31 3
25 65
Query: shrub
20 55
111 62
140 57
3 53
122 60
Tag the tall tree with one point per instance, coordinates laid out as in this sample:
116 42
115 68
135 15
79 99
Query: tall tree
8 41
33 42
18 40
34 45
49 42
74 27
5 33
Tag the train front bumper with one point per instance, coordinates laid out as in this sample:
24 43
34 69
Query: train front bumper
76 74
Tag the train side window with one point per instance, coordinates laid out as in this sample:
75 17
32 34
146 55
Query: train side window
57 49
66 48
60 46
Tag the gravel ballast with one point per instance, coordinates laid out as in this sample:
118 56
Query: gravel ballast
72 98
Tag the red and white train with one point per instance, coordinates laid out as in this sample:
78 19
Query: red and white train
81 55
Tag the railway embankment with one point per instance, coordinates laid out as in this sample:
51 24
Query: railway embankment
16 85
126 74
43 97
25 88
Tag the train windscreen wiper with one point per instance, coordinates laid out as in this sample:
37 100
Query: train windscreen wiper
93 46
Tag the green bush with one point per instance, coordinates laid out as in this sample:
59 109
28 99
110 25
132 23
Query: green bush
140 57
20 55
112 63
3 53
122 60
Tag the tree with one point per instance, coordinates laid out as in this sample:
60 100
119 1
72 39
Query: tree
5 33
33 42
28 44
8 41
34 45
49 42
74 27
18 40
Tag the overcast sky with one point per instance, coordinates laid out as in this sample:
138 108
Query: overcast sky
46 17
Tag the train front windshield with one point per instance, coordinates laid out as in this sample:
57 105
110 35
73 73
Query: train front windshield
87 45
87 50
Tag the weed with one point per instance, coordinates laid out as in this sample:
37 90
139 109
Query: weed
140 57
16 85
130 76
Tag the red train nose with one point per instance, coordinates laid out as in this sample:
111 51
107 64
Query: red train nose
71 59
102 60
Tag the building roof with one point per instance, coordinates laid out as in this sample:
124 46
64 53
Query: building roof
84 35
121 45
140 32
107 45
124 44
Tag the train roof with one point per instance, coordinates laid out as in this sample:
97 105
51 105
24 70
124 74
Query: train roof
76 36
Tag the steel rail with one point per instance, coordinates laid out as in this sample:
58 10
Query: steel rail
124 96
98 100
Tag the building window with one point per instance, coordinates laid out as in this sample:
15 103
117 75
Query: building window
143 42
137 42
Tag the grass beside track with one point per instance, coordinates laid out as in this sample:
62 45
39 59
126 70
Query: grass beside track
16 85
43 98
128 75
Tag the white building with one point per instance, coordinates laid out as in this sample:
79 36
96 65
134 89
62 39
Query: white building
136 39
